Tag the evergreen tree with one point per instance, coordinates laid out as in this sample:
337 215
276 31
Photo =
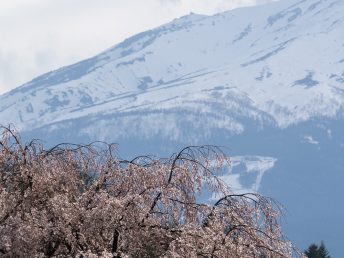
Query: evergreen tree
323 251
314 251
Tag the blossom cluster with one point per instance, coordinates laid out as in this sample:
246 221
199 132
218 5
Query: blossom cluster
84 201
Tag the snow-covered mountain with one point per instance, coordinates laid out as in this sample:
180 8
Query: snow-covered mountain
265 81
281 62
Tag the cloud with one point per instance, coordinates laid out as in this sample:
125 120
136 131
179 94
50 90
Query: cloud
42 35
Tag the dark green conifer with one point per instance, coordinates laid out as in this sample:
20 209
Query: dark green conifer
323 251
314 251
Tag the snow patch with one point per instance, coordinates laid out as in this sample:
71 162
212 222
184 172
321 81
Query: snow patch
246 173
309 139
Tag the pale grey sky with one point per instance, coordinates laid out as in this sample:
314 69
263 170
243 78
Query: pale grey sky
38 36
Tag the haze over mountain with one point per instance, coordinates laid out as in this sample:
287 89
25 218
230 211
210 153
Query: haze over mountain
266 81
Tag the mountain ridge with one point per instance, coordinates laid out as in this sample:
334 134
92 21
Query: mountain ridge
145 64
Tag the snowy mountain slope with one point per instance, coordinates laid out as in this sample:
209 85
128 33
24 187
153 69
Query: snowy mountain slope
246 173
262 62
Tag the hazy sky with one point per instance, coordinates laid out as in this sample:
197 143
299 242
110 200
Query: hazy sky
38 36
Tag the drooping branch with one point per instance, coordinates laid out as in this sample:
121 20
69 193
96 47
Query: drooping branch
83 200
